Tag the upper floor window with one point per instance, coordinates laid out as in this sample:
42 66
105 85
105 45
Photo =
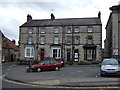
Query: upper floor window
76 39
89 40
29 40
90 29
56 40
42 30
76 29
30 30
56 30
42 40
68 30
69 40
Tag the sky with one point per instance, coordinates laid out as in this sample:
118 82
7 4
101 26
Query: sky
13 13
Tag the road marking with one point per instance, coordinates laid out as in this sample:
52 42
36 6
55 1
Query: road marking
47 86
50 82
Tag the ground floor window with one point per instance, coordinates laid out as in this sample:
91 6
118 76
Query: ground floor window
29 51
90 54
56 52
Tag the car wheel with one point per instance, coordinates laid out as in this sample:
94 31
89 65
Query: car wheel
38 69
56 68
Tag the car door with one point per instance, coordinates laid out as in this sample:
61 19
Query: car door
46 65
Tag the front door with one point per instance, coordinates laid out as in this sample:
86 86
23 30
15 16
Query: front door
68 54
56 52
41 54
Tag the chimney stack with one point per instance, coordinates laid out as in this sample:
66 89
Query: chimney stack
52 16
29 18
99 15
13 41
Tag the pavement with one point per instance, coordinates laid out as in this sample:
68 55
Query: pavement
50 78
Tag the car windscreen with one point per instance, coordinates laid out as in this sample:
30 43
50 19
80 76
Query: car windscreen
110 62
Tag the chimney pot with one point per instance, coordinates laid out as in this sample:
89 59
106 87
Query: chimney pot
29 18
99 15
52 16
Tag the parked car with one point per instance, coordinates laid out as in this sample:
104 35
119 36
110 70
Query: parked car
118 59
109 67
58 60
45 65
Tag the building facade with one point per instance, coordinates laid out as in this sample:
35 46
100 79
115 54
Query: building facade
112 42
9 52
71 39
0 46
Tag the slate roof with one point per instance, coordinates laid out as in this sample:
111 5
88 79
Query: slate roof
59 22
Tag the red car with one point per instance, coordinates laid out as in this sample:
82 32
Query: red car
45 65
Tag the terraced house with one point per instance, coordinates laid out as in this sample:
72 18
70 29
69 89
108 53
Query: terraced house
72 39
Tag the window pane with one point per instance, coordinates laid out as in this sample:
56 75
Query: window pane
76 40
69 40
28 52
76 30
42 30
54 53
56 30
29 30
42 40
68 30
90 30
59 53
56 40
89 54
30 40
32 52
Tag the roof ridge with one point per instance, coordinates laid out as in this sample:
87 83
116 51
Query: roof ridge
66 18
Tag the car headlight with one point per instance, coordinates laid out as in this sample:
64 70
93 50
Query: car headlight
61 61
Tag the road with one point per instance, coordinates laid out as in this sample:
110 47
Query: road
65 75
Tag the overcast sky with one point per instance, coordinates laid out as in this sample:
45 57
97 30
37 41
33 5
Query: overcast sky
13 13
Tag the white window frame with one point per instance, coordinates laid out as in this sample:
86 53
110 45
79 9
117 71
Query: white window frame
58 52
31 52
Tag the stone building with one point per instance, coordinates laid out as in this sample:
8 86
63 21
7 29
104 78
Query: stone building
112 42
9 51
0 46
71 39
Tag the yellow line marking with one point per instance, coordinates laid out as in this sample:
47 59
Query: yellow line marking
50 82
47 86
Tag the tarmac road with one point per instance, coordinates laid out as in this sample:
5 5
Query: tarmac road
74 77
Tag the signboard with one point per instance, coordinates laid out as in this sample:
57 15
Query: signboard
115 51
